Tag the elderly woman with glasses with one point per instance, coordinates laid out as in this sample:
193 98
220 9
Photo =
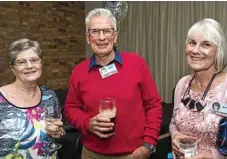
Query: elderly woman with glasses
24 106
193 116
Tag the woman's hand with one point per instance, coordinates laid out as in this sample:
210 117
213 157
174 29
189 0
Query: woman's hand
203 155
175 147
54 127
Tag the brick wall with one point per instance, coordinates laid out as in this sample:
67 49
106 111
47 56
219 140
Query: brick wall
57 26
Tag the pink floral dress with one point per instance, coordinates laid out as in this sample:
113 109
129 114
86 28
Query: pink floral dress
203 124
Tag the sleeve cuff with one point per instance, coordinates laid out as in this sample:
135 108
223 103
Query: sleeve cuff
174 134
85 126
149 141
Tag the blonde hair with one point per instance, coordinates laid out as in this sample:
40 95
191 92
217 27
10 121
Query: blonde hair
214 33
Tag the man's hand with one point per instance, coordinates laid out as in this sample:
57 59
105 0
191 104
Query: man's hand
98 125
141 153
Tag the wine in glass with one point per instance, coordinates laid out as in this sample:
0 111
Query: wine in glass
52 115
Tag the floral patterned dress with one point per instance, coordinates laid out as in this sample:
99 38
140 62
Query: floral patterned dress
202 124
22 133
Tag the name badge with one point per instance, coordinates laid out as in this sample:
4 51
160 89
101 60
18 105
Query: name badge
108 70
220 108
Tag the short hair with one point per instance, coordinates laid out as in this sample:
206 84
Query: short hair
20 45
214 33
101 12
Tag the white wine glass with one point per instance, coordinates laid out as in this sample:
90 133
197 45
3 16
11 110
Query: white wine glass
52 115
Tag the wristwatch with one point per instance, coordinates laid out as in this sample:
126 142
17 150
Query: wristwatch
150 147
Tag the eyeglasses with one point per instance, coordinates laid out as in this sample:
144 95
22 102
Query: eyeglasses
106 31
193 104
24 62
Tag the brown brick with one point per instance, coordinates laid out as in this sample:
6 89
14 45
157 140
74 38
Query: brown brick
57 26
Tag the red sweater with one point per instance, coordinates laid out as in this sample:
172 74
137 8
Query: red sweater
139 110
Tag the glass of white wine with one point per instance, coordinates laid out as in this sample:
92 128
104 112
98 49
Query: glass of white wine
52 115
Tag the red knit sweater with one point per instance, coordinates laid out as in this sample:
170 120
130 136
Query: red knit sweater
139 110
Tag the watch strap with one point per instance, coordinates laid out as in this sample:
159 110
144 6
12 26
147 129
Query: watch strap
150 147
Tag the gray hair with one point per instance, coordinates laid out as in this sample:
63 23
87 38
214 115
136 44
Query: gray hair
101 12
20 45
214 33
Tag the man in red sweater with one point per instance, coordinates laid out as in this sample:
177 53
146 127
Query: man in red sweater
122 76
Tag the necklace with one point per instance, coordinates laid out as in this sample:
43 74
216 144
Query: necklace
193 104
